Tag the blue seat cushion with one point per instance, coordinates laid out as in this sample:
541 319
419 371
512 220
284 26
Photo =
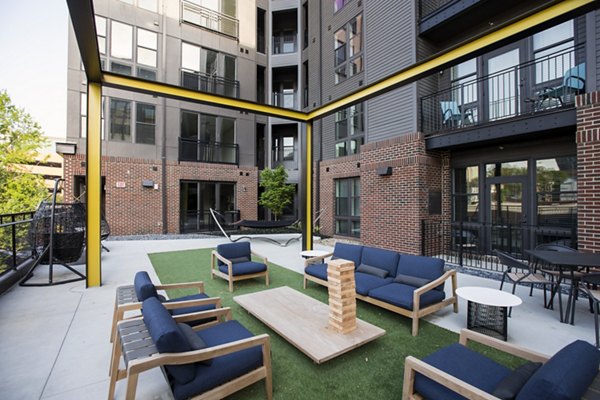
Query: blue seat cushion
566 375
366 282
167 337
401 295
347 251
144 288
233 251
464 364
317 270
380 258
244 268
224 368
429 268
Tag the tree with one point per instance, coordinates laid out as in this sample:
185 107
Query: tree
20 139
277 194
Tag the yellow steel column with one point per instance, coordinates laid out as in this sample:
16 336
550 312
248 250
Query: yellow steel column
307 223
93 184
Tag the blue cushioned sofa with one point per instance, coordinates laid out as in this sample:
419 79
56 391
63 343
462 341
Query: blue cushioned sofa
409 285
456 372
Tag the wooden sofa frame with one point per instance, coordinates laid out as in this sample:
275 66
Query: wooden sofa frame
139 365
417 312
214 269
413 365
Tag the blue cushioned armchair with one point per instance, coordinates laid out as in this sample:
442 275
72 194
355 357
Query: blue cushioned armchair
233 262
456 372
209 361
129 298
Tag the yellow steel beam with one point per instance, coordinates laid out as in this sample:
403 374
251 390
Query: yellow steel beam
307 234
93 184
177 92
436 63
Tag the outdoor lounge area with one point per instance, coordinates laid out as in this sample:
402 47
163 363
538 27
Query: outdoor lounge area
71 359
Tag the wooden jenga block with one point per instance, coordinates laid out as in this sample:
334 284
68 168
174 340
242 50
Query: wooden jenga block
342 295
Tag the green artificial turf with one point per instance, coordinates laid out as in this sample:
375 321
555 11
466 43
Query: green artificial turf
373 371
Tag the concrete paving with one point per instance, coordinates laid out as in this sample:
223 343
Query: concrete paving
55 339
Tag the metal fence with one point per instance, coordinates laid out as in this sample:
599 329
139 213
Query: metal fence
550 82
210 19
472 245
210 84
14 240
208 152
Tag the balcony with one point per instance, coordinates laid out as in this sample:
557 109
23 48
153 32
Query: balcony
210 84
284 99
548 84
209 19
286 156
284 42
208 152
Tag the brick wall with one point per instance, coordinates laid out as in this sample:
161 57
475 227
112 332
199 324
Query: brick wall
132 209
392 206
588 172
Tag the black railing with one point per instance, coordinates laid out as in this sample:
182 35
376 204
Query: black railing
210 19
284 42
548 83
428 7
15 246
208 152
202 221
210 84
472 244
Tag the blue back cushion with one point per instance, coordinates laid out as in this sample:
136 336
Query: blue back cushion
380 258
421 267
144 288
234 250
167 337
566 375
346 251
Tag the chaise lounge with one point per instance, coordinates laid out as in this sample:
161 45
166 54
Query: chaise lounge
412 286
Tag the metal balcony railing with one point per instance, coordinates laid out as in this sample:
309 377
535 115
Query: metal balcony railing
547 83
427 7
208 152
210 84
285 155
284 43
14 240
209 19
285 100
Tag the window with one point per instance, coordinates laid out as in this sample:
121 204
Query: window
145 122
260 30
349 130
208 70
553 48
101 31
338 4
207 138
556 189
150 5
121 38
120 120
216 15
83 116
122 60
465 194
305 24
147 47
348 47
347 207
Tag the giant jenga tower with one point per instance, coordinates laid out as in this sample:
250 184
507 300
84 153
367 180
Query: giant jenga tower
342 295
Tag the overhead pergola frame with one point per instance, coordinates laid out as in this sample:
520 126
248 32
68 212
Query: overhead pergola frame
82 18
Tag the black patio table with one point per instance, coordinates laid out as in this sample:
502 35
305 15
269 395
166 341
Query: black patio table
567 262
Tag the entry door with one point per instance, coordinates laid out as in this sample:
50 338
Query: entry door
507 213
503 87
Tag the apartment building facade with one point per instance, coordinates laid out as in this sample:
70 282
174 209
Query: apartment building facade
501 144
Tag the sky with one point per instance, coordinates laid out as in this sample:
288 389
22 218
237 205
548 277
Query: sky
33 59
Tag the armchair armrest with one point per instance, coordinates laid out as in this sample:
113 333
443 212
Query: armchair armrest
182 285
466 335
224 313
215 255
317 259
188 357
413 365
263 258
435 283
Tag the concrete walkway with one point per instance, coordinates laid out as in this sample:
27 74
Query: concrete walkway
55 339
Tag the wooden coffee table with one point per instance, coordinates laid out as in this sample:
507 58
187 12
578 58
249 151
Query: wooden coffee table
304 322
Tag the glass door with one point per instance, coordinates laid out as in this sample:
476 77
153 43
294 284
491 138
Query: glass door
507 214
503 84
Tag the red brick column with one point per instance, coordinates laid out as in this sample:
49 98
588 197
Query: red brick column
588 171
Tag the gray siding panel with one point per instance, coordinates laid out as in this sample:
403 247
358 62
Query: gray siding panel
392 114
